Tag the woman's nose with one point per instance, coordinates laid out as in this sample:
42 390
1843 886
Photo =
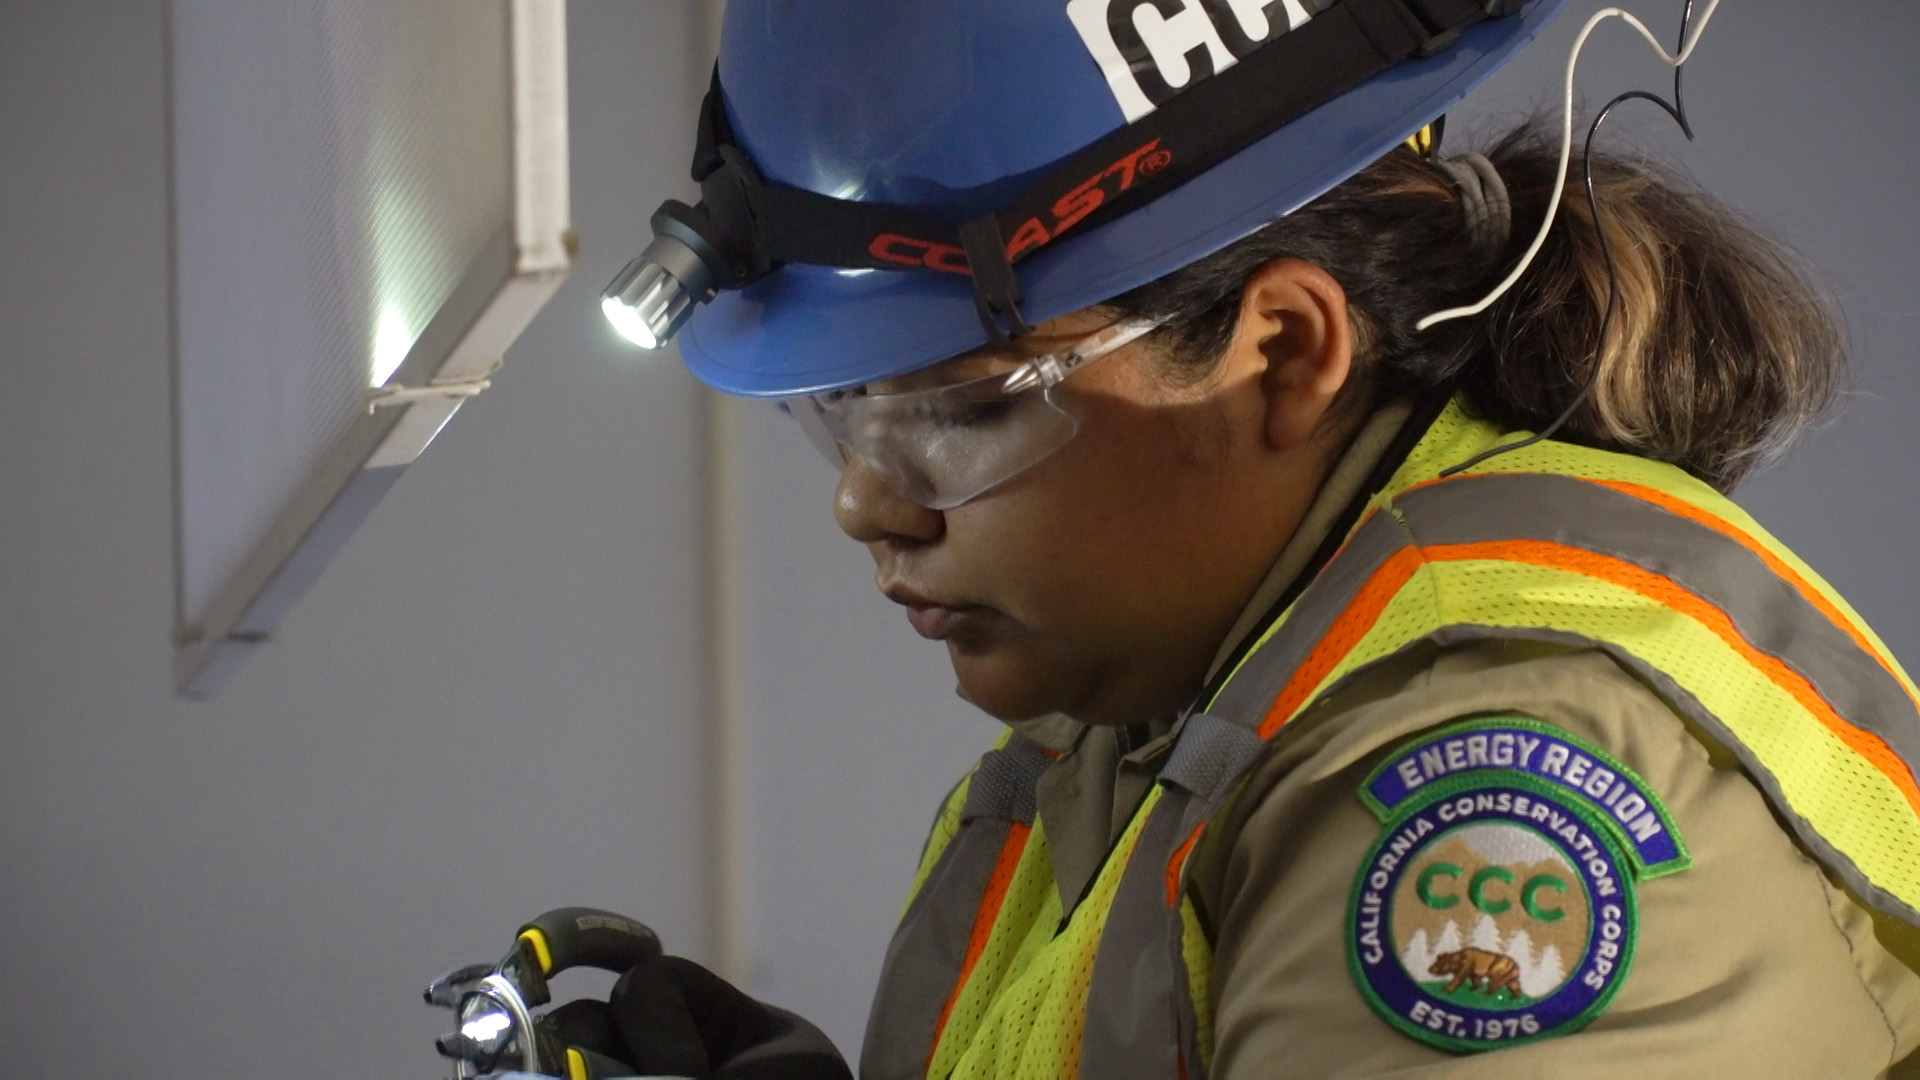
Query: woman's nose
870 511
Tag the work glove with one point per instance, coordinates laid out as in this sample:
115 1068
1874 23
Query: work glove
668 1016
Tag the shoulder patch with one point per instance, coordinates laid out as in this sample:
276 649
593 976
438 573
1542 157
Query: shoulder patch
1498 905
1632 811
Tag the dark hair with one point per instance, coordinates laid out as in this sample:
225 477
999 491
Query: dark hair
1722 347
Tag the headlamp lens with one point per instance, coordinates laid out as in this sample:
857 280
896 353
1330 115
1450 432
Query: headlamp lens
629 322
645 302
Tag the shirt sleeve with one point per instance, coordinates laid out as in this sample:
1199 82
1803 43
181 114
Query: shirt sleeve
1748 963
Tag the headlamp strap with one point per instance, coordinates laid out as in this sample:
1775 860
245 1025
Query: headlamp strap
784 224
1277 81
1280 80
713 132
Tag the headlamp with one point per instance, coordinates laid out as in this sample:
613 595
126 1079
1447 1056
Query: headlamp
650 299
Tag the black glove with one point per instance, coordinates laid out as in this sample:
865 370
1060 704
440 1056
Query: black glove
669 1016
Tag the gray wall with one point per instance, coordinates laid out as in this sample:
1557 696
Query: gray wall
852 734
497 699
490 705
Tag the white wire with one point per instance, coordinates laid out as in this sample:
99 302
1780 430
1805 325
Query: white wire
1566 146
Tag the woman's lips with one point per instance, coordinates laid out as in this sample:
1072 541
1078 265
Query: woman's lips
936 622
931 619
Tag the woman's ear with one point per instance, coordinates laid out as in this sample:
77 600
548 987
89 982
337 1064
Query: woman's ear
1294 323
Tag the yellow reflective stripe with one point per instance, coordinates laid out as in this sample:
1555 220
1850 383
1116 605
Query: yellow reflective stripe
1855 806
1334 654
1015 948
1198 953
987 916
1455 437
1452 438
1034 1017
1730 521
1587 464
945 827
1727 520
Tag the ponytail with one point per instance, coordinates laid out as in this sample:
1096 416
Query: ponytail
1721 347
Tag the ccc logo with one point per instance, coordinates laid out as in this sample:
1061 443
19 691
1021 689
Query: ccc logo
1150 50
1492 890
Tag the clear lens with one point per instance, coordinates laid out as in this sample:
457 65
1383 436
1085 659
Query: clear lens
939 448
942 446
810 414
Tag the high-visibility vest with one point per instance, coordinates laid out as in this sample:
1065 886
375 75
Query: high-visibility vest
990 974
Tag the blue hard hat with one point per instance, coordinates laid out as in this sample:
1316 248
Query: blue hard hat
953 107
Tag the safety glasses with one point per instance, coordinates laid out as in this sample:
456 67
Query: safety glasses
941 446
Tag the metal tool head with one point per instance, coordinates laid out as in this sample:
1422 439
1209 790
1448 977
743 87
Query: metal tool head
493 1022
494 1026
447 990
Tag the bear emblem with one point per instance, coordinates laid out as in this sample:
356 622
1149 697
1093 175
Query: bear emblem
1490 972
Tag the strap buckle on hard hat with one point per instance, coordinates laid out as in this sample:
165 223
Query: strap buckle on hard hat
726 194
996 285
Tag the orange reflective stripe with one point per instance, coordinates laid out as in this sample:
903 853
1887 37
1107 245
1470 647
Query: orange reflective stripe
1699 516
1380 589
1666 591
983 920
1342 636
1682 508
1179 862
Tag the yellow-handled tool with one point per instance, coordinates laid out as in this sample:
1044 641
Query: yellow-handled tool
495 1028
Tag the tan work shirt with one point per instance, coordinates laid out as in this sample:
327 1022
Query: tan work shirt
1751 963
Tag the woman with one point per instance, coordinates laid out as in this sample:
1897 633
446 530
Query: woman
1350 732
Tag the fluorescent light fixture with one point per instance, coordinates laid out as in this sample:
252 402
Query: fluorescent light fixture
435 132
